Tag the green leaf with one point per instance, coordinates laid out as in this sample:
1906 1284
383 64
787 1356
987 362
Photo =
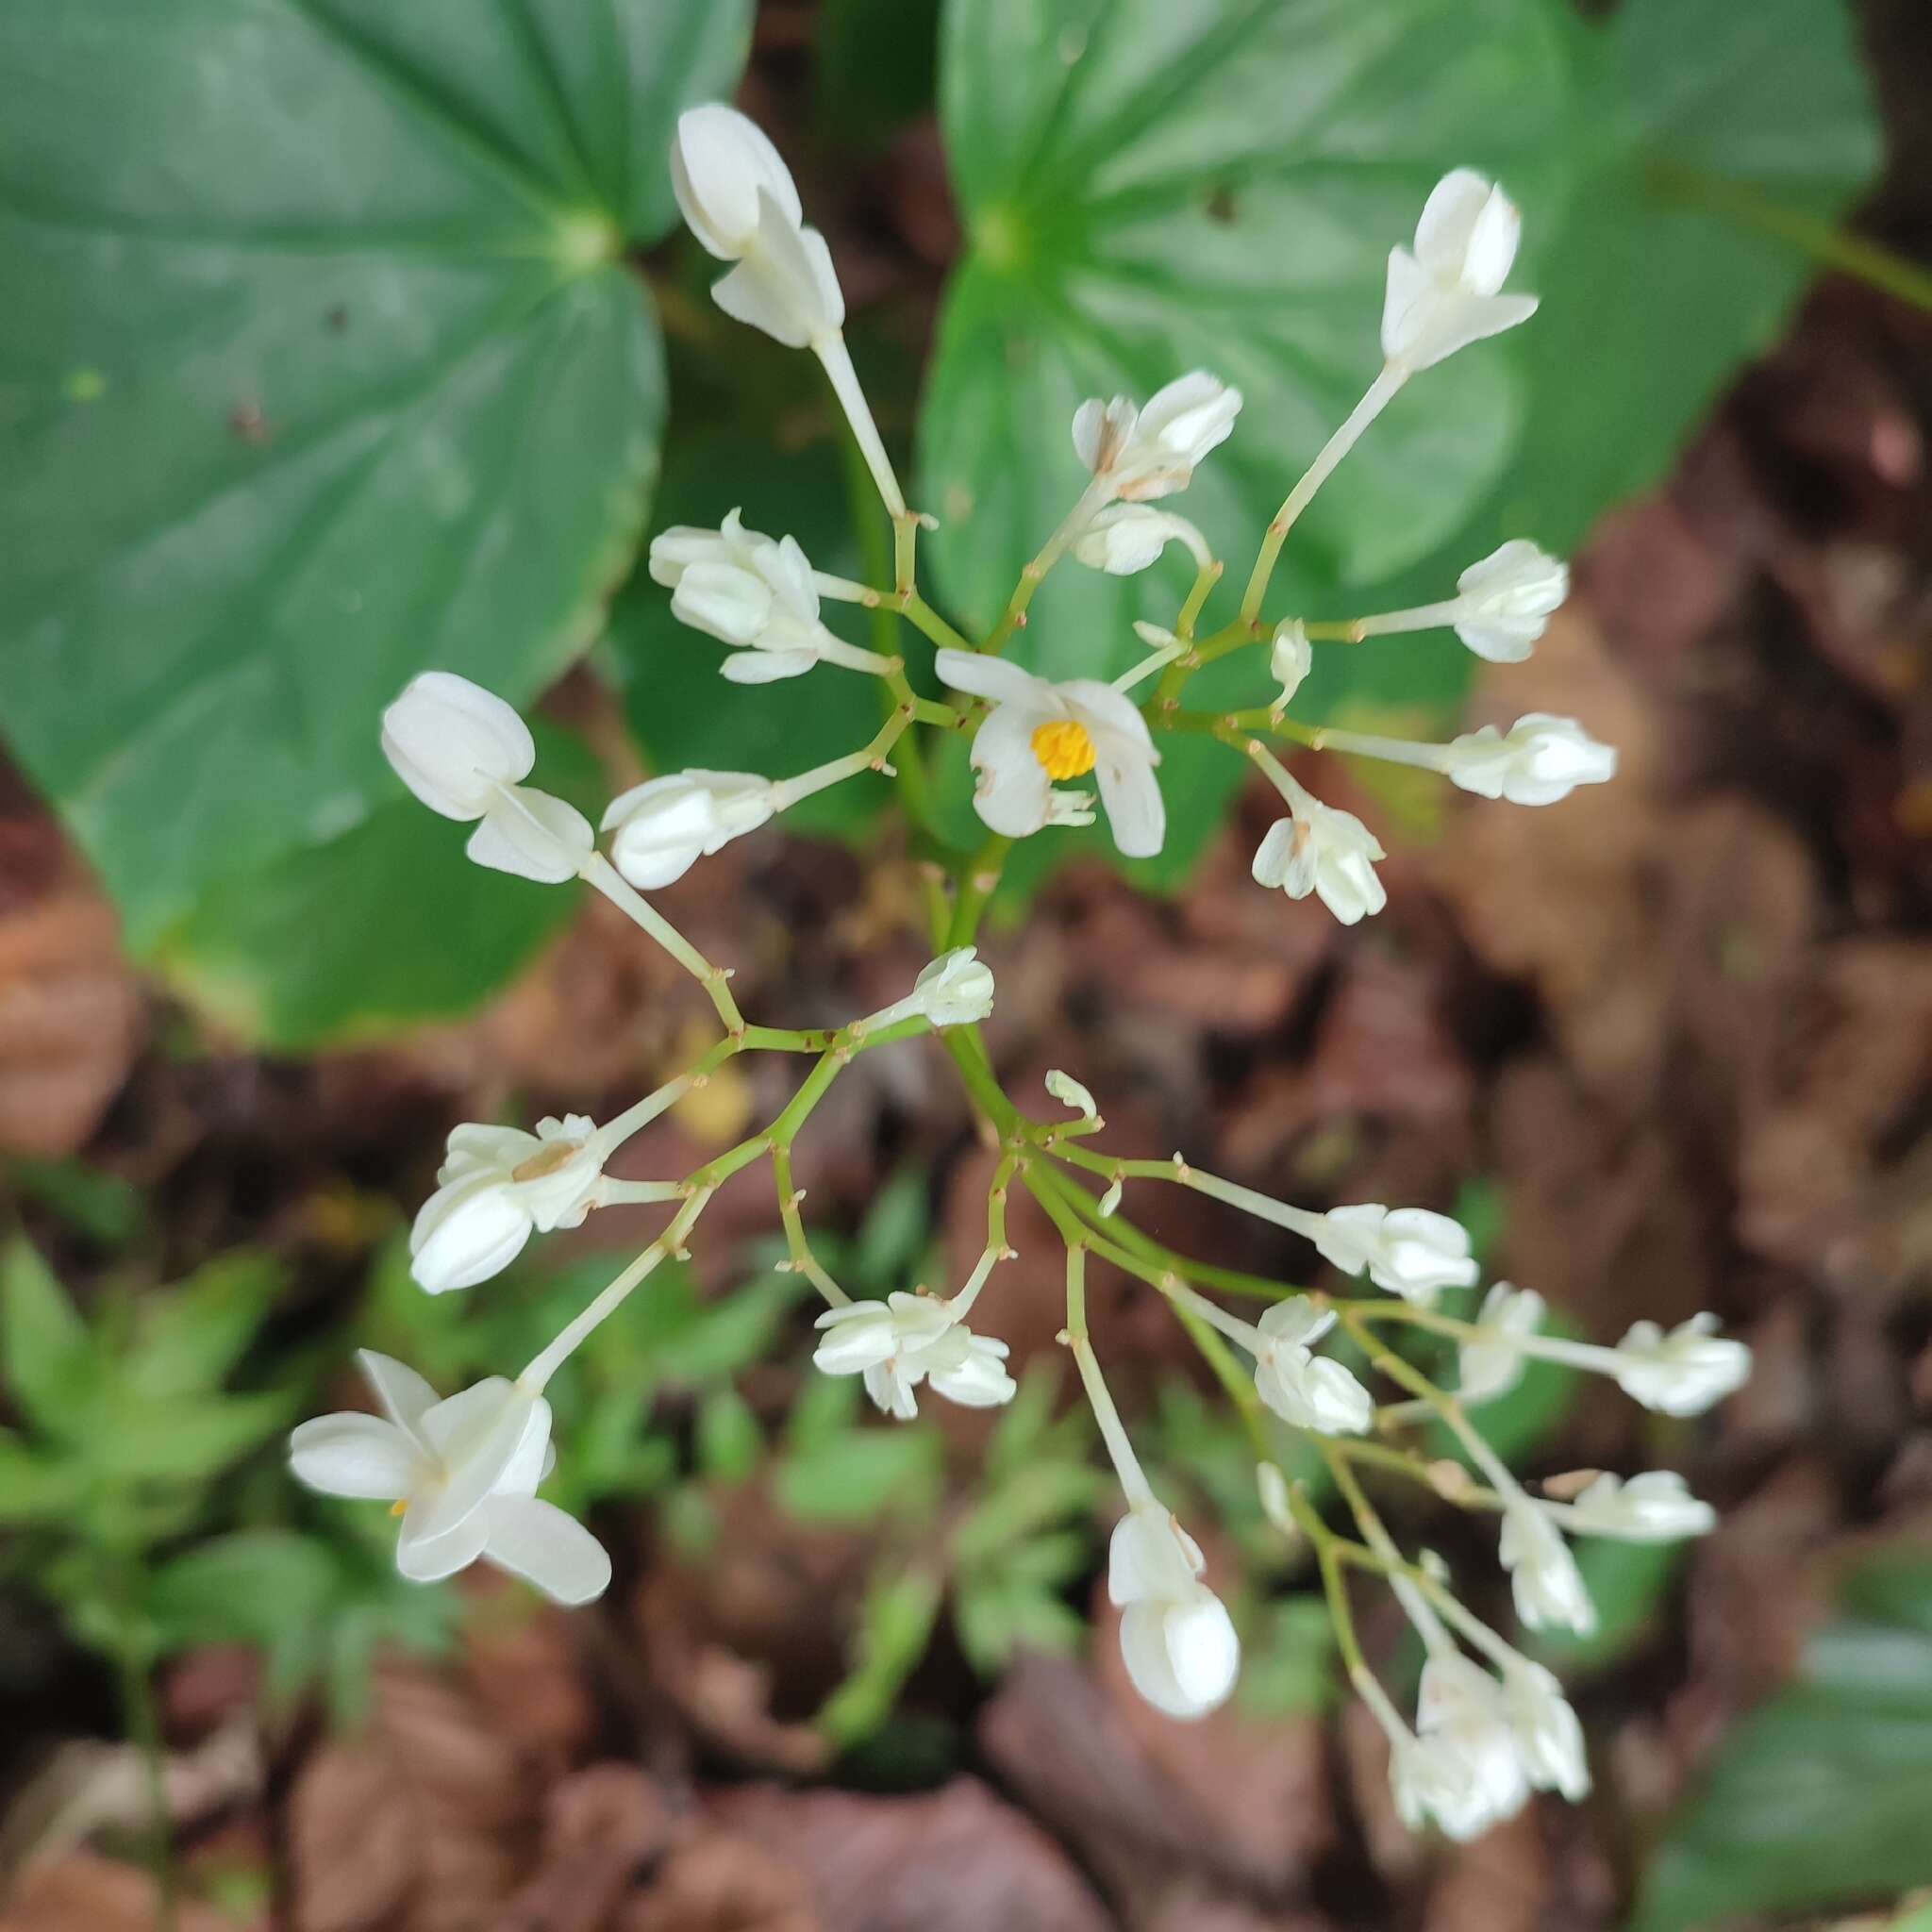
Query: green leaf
101 1206
36 1486
374 931
859 1474
1289 1658
874 68
320 365
895 1624
684 712
178 1439
729 1440
48 1357
192 1336
898 1226
251 1587
1702 128
1820 1797
1150 188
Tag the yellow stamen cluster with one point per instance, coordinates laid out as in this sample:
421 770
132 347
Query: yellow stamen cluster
1063 747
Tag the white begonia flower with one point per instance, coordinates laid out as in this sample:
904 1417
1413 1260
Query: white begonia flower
954 989
1327 852
1177 1638
1039 732
1071 1094
463 752
664 825
1492 1366
462 1475
1304 1389
1504 602
741 202
906 1340
498 1185
1409 1251
1682 1372
1463 1724
1152 452
1653 1507
1548 1585
1290 660
1127 538
1541 759
1447 293
752 592
1549 1739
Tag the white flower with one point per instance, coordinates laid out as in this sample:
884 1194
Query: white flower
1176 1637
1682 1372
906 1340
1445 295
1126 538
1548 1739
1548 1585
462 1475
1152 451
747 590
496 1187
1408 1251
462 751
741 204
1472 1776
1653 1507
954 989
1290 660
666 824
1431 1780
1071 1094
1324 851
1307 1391
1038 732
1504 602
1492 1366
1541 759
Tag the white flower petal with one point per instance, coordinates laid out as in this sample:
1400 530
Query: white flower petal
352 1455
532 835
405 1397
545 1546
453 743
720 162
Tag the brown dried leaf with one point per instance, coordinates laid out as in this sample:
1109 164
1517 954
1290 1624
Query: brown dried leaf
85 1893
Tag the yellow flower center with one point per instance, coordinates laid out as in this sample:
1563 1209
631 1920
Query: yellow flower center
1064 749
400 1507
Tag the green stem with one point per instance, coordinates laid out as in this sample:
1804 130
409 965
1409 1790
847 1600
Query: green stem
142 1720
979 882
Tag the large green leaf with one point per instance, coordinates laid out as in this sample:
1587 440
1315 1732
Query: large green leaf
1701 125
319 364
1821 1796
379 929
1150 188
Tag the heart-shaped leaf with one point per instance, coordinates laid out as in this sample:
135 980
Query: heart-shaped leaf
319 364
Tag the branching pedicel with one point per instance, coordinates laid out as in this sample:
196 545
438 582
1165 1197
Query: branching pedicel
463 1473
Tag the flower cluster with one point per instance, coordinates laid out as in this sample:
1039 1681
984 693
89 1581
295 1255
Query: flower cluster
1489 1728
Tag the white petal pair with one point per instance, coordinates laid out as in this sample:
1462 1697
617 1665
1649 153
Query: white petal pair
906 1340
1177 1638
1446 295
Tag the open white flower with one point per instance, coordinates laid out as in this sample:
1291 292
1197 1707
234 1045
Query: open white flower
1653 1507
1447 293
1177 1638
1548 1585
1326 851
1038 733
909 1338
1541 759
664 825
463 752
495 1187
1290 660
1304 1389
1409 1251
1684 1371
1492 1366
1504 602
1127 538
1152 451
1549 1741
741 203
462 1475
